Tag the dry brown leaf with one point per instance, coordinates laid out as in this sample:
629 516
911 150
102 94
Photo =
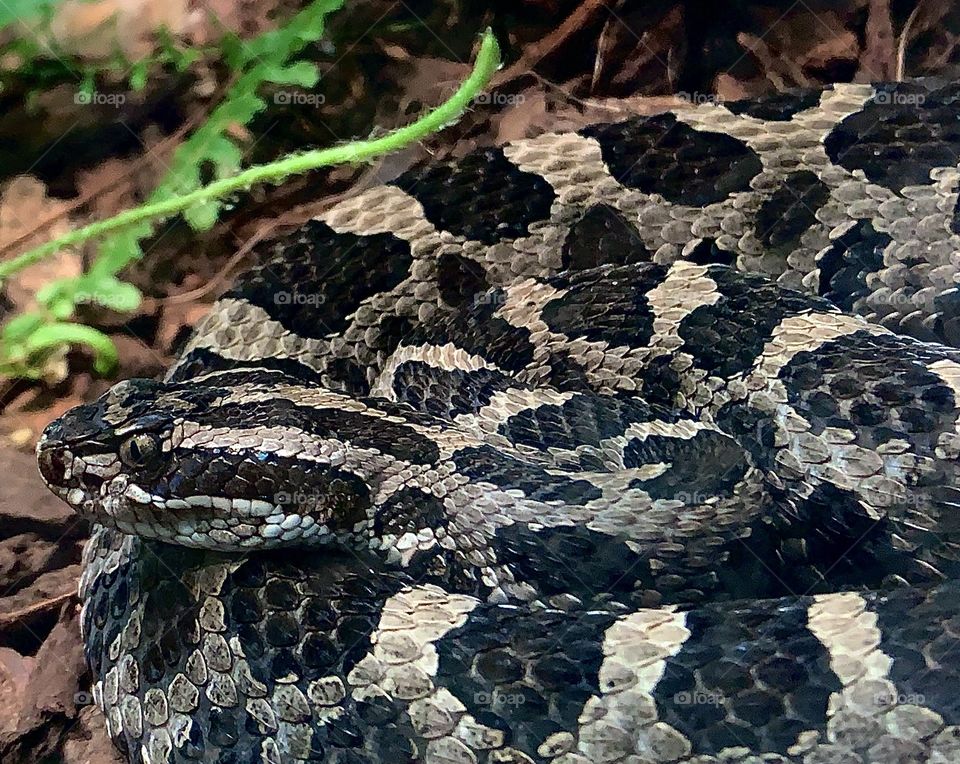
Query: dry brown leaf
138 358
49 703
431 81
729 88
109 187
23 204
246 19
53 584
792 50
97 29
528 117
25 503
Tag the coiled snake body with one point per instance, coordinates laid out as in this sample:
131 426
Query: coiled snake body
635 444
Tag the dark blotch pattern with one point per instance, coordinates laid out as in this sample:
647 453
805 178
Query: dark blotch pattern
752 429
661 155
725 338
565 372
218 384
752 676
203 361
602 236
790 210
906 130
919 632
447 394
167 630
659 383
846 543
847 264
479 332
347 376
577 561
386 336
361 430
315 622
484 197
335 496
586 419
884 384
460 279
706 465
512 672
341 269
947 324
607 304
880 389
506 472
777 107
409 510
707 252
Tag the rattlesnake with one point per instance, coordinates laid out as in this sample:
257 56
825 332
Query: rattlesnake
633 444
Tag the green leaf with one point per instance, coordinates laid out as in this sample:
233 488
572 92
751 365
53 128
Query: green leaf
24 10
138 74
55 291
120 249
62 308
203 217
113 294
50 337
20 327
303 74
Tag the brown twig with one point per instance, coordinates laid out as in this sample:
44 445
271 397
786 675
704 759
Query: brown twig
195 294
599 59
905 39
536 52
7 619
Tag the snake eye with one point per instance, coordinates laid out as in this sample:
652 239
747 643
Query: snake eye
140 450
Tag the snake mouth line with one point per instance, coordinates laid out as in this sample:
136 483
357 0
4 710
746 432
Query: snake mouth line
197 521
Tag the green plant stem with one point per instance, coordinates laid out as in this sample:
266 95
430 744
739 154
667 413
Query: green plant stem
488 59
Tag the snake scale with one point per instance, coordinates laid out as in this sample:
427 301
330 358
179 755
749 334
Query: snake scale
633 444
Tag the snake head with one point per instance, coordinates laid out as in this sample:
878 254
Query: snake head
205 463
101 457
